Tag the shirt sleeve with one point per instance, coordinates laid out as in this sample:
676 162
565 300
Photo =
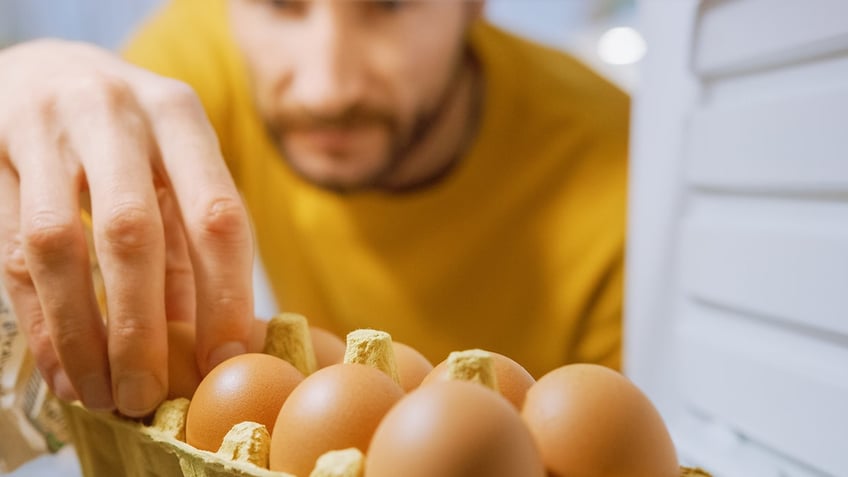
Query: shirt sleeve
599 340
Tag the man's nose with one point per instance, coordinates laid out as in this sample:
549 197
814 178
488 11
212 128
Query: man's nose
332 75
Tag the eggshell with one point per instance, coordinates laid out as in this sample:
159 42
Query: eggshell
453 429
412 366
183 373
329 348
589 420
248 387
513 380
334 408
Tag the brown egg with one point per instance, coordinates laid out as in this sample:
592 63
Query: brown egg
329 348
248 387
334 408
183 374
513 379
453 429
589 420
412 366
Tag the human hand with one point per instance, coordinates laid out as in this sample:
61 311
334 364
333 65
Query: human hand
80 128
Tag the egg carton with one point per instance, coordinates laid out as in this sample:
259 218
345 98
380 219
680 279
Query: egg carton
110 445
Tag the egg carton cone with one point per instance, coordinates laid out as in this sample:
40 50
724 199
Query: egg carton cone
108 444
696 472
111 445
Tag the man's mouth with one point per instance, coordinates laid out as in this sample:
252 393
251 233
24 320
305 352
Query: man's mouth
329 138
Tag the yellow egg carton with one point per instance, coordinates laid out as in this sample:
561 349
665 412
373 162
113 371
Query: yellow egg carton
111 445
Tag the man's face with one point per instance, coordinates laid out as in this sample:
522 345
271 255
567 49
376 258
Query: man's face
348 87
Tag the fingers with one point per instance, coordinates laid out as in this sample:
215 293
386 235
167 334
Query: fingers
88 130
56 257
216 224
22 293
185 253
130 243
179 276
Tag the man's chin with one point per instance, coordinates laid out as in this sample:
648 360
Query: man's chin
334 175
342 185
346 166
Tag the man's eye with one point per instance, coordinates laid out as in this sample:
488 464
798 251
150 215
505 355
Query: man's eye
390 5
286 5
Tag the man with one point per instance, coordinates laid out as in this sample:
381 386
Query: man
406 166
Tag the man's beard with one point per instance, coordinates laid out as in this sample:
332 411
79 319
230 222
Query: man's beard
399 139
402 139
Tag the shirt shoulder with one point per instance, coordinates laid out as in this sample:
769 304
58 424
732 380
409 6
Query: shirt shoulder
551 86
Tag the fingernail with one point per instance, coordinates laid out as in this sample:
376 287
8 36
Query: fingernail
62 387
96 393
225 352
139 393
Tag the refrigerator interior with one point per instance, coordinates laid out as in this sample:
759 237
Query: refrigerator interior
738 246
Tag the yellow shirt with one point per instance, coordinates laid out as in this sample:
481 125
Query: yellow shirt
518 250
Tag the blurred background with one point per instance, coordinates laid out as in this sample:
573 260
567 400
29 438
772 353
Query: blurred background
599 31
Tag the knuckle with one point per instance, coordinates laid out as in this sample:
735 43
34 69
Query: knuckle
72 337
231 304
36 329
49 233
223 219
173 97
99 90
130 227
39 339
125 334
43 100
14 262
35 109
130 330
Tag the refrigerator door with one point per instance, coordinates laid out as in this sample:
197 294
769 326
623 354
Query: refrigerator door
737 293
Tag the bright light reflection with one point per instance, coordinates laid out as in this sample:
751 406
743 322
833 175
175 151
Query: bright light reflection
621 46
